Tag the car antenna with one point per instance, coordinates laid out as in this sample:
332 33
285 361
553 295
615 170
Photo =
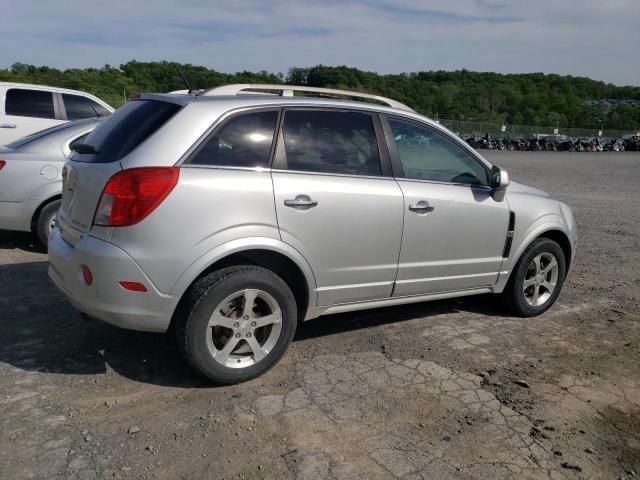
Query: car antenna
184 79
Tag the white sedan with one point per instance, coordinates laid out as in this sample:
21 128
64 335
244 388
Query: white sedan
31 177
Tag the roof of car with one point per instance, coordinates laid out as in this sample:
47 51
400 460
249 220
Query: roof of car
261 99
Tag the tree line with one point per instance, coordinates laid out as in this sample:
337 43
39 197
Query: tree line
527 99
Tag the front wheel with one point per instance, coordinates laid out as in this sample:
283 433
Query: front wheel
536 281
236 323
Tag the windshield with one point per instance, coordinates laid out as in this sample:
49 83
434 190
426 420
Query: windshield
125 129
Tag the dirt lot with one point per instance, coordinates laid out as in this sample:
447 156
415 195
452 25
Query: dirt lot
448 389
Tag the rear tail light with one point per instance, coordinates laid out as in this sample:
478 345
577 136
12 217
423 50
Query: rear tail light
131 195
2 164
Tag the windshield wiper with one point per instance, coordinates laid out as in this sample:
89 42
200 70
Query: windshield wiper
83 148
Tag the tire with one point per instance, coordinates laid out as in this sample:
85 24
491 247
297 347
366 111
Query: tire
225 292
522 300
46 220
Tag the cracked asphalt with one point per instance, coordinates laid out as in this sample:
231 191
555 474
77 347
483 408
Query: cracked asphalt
446 389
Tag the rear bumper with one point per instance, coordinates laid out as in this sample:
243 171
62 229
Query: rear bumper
105 299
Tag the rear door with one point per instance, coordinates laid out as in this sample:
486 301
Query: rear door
337 202
85 175
27 111
454 231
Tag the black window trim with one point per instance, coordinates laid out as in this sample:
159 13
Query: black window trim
280 158
219 123
398 172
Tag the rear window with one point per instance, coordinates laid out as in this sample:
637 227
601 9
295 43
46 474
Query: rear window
42 133
125 129
29 103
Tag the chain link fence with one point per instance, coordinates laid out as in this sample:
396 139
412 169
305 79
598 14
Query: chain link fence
466 128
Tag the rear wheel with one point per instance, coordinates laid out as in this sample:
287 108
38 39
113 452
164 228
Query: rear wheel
236 323
537 279
47 220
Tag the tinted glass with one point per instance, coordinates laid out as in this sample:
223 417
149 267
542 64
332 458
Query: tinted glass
331 142
29 103
78 107
427 155
242 141
125 129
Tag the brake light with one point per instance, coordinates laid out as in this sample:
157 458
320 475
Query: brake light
131 195
2 164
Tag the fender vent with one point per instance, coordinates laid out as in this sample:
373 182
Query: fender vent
509 240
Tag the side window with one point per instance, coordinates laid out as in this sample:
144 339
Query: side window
428 155
242 141
331 142
78 107
29 103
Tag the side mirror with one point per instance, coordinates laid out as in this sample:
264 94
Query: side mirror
499 182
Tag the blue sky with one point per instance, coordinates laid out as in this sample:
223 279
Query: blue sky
598 39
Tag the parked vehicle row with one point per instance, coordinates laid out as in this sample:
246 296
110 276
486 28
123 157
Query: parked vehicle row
230 217
38 126
553 143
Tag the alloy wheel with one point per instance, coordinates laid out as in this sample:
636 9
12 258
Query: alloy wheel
244 328
540 279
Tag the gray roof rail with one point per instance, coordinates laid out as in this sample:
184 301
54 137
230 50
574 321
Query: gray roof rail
288 91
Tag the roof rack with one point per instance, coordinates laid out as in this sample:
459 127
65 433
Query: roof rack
288 91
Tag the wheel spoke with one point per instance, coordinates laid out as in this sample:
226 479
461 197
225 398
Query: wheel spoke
528 282
223 355
275 317
536 261
221 321
548 286
536 294
258 351
552 264
249 300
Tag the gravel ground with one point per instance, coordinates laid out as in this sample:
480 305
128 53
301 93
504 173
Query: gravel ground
447 389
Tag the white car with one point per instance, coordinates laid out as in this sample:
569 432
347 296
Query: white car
25 108
31 176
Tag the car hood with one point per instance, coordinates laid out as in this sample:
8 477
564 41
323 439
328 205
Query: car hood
515 187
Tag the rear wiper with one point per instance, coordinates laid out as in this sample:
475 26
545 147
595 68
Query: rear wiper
83 148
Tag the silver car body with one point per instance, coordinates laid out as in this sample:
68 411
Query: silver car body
360 247
32 174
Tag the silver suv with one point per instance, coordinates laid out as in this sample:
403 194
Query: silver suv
229 217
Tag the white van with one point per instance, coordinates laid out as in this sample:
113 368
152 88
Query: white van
25 109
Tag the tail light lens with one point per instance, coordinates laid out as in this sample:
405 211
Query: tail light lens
132 194
2 164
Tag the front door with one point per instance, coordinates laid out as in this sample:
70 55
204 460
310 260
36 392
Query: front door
337 203
454 231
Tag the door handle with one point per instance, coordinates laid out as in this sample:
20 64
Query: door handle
421 207
8 125
301 202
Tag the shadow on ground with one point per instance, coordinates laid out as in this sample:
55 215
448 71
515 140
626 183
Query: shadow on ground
44 333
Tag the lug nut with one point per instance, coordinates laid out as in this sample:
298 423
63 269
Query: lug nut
248 335
237 335
253 324
246 317
236 324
